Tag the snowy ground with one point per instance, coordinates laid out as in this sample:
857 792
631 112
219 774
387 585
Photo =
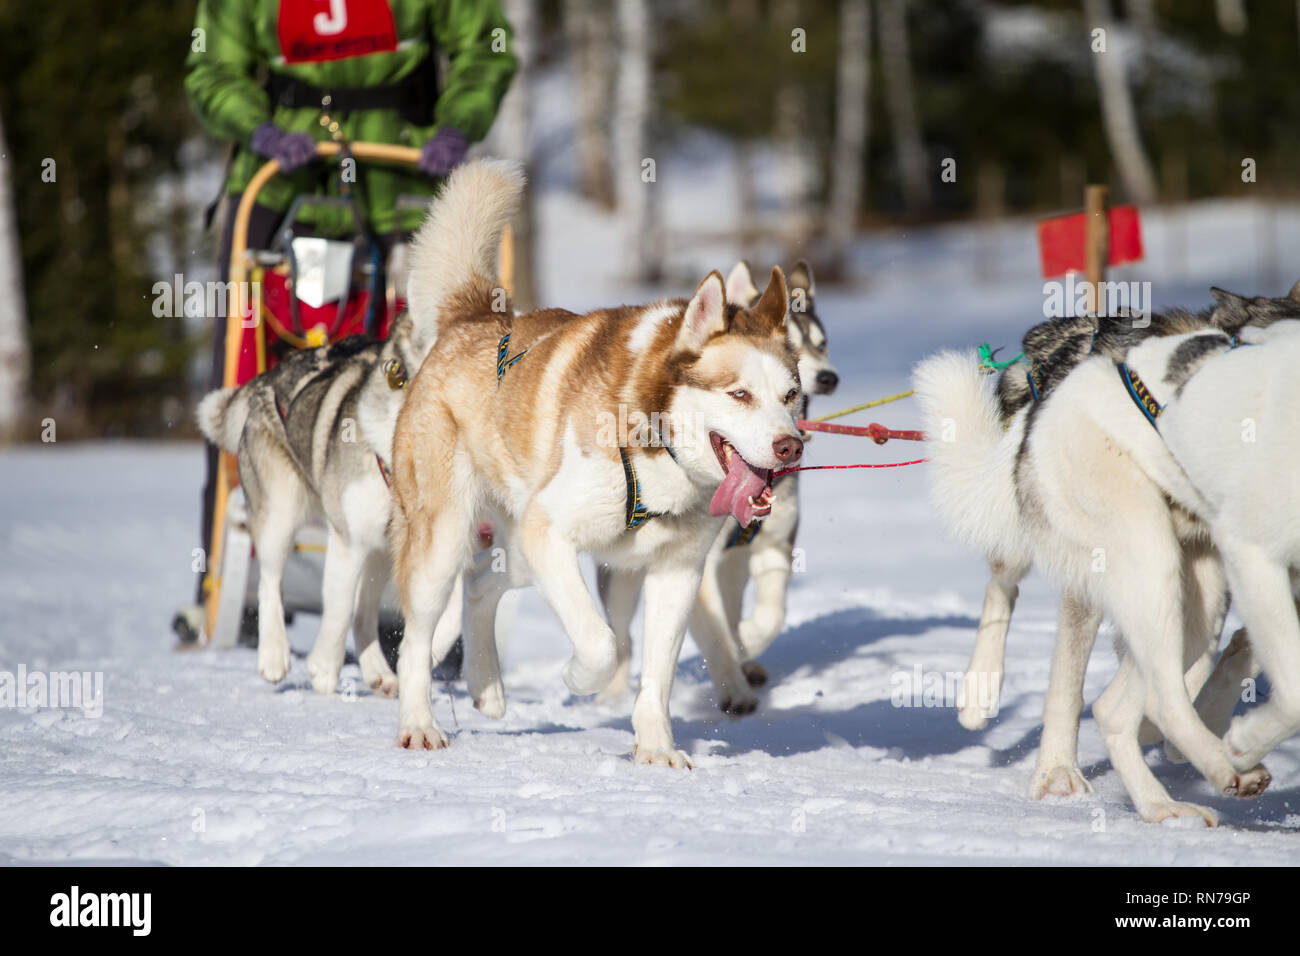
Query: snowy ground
196 760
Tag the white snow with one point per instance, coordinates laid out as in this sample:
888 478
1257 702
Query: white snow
196 760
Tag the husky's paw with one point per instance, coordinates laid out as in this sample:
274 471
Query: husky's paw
492 701
273 659
1059 781
591 676
376 673
421 735
1170 810
1249 783
972 718
739 704
1242 751
324 674
755 673
661 757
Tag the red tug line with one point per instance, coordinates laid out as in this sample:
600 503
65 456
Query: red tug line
875 431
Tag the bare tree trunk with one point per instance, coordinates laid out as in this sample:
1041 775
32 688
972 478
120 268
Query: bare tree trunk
15 353
590 32
1117 113
515 134
909 151
852 99
635 170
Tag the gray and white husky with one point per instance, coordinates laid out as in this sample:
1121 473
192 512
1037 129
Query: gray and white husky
313 438
1071 482
763 552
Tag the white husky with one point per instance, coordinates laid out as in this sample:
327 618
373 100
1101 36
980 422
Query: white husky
1229 417
1079 485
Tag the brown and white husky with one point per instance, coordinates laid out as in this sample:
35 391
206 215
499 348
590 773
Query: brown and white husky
628 433
763 552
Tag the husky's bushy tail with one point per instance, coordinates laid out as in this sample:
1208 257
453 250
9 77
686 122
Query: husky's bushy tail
221 416
972 460
455 251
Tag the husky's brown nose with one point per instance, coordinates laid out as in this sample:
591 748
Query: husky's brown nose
787 448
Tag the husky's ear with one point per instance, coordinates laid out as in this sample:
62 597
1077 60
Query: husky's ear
771 310
802 287
1294 294
1230 310
740 285
706 315
1228 299
802 278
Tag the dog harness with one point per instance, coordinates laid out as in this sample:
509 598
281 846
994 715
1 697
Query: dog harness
635 513
1140 393
504 364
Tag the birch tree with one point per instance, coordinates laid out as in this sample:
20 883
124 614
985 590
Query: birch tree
15 353
515 135
900 100
1117 113
852 98
635 169
590 33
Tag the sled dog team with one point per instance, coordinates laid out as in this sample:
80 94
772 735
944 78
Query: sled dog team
652 437
1147 469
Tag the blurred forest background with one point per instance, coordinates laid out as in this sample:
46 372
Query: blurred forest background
846 109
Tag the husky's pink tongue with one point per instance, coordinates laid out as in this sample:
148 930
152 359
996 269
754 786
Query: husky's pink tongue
740 484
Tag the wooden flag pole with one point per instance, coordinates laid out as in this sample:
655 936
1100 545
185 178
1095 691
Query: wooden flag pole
1096 243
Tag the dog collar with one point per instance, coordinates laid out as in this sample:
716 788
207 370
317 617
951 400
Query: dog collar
1141 395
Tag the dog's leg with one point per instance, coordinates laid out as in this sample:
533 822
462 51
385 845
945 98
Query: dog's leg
558 575
670 592
1119 714
619 592
1149 613
1262 589
375 672
770 568
483 587
450 624
1206 608
430 557
1057 771
1236 665
343 567
708 620
282 494
986 664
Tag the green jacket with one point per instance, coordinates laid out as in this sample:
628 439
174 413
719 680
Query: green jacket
234 40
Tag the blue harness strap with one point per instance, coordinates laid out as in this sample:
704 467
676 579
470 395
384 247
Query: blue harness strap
635 513
1141 395
503 364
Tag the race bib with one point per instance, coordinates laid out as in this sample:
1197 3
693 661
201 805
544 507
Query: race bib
312 31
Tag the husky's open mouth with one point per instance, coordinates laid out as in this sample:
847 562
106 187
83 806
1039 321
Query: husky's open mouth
746 491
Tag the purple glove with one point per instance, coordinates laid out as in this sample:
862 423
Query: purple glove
443 153
291 150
